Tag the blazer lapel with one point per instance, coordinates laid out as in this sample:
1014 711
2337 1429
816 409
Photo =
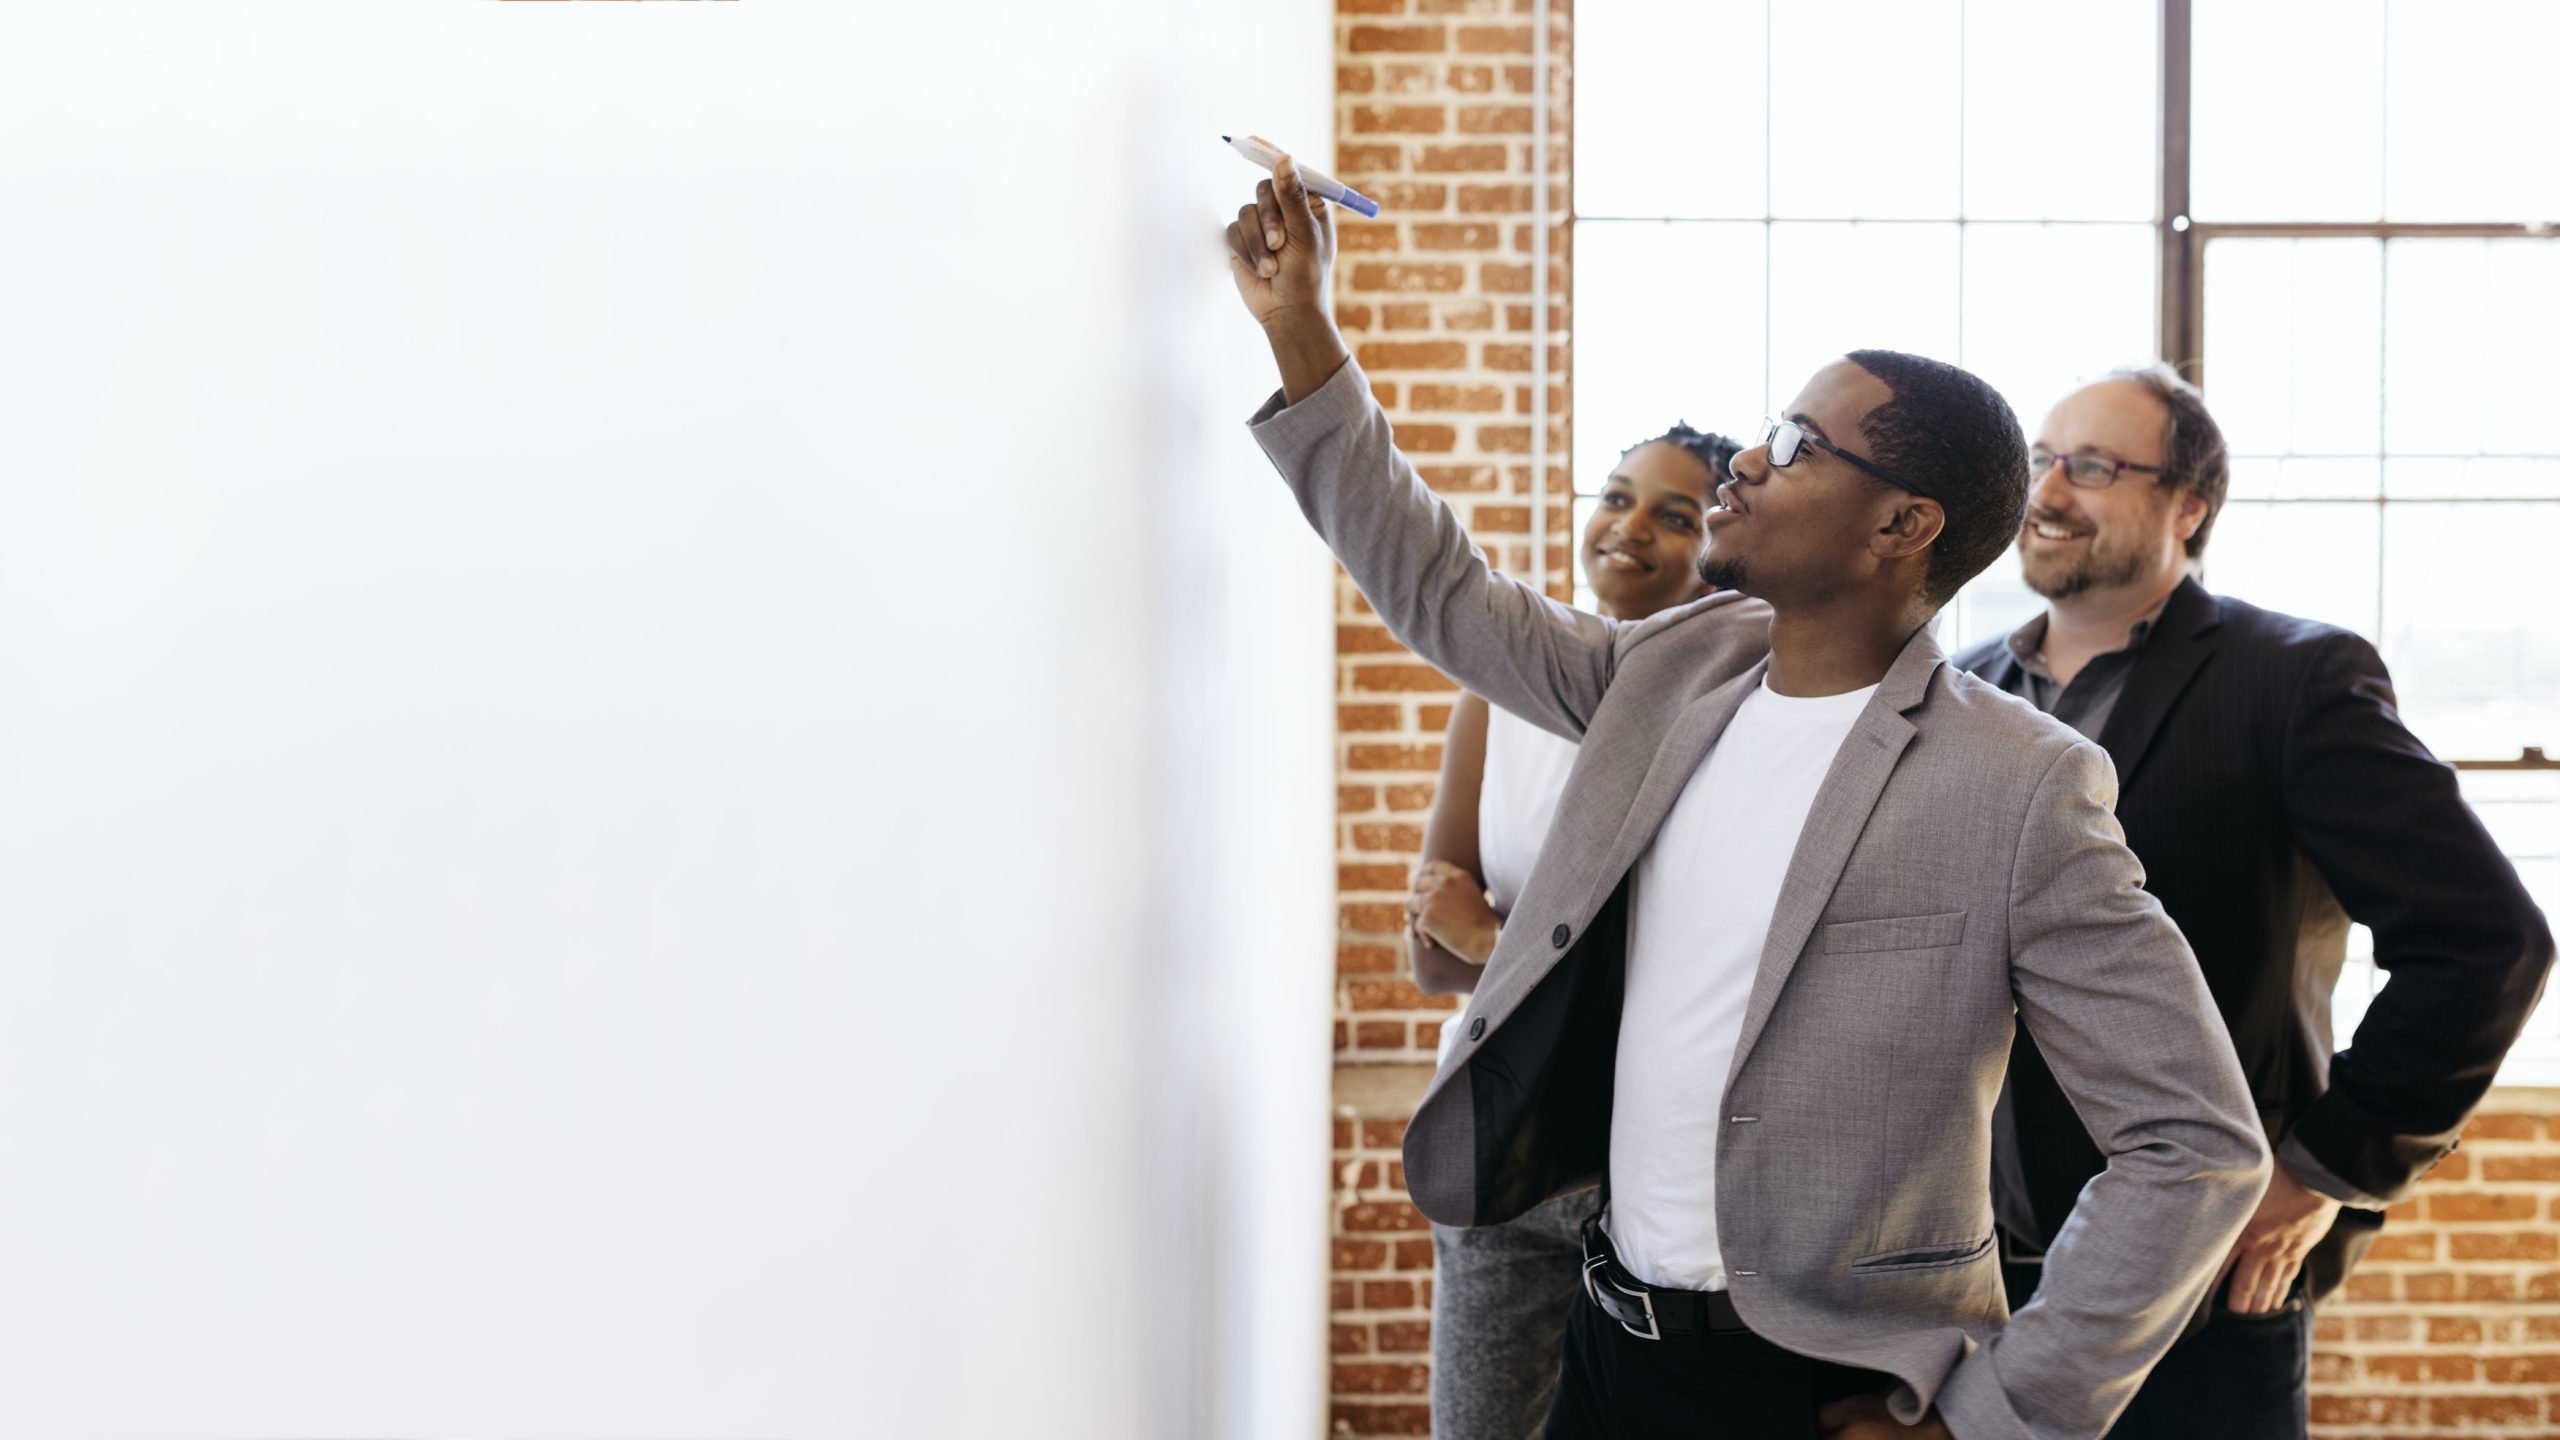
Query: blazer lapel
1693 732
2175 650
1684 745
1839 815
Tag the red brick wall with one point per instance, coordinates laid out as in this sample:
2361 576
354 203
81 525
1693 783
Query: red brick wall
1381 1263
2452 1325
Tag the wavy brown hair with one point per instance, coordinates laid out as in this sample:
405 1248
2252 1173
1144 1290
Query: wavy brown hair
2193 457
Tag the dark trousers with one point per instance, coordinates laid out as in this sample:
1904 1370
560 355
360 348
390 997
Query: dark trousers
1697 1387
2241 1377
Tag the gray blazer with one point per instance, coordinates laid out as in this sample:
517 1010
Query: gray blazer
1961 870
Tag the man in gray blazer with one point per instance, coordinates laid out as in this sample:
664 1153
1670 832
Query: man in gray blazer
1779 1052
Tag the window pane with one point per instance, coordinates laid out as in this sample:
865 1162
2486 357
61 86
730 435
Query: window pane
2440 334
2321 561
1864 108
2520 807
2295 477
2473 133
1834 288
2293 344
1671 109
1667 326
2470 631
2274 79
2474 478
2061 109
2468 346
2519 384
1994 602
2359 980
2048 306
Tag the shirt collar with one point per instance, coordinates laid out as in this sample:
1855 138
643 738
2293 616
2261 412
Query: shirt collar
2026 643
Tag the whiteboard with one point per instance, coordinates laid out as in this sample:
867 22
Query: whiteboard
629 642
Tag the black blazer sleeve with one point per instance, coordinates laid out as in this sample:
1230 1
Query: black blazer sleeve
2465 950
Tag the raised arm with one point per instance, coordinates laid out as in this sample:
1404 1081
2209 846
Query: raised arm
1539 659
2114 999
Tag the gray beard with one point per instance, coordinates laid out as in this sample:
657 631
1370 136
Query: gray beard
2095 571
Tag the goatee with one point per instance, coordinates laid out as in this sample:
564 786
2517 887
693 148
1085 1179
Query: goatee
2098 569
2060 587
1720 573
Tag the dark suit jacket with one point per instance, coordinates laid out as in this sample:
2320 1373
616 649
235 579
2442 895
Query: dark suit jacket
2272 794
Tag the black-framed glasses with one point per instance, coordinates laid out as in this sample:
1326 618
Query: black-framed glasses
2085 468
1786 440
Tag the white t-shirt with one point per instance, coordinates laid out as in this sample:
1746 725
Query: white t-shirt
1705 891
1524 772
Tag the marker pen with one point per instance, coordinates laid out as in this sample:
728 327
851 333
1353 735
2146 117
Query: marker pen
1316 181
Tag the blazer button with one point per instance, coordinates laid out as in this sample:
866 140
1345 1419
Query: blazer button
1563 935
1475 1028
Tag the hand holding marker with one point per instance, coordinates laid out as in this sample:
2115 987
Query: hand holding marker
1317 182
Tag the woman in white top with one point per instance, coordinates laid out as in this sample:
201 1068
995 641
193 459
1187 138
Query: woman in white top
1502 1292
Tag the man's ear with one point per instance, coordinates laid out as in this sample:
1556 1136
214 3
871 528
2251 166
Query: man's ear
2190 514
1911 528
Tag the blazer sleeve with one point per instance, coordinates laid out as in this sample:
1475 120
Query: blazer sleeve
1543 661
2116 1003
2465 949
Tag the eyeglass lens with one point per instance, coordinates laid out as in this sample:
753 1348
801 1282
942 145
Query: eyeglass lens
2085 470
1783 439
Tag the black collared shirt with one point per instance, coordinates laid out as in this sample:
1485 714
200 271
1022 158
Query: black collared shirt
2091 697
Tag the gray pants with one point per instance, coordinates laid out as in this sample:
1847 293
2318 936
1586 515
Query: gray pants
1498 1308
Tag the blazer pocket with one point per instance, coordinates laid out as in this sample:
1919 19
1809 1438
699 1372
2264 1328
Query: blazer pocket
1924 1257
1894 932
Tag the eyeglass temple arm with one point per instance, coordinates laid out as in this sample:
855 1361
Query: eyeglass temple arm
1872 468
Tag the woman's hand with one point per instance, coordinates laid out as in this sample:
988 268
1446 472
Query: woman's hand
1448 908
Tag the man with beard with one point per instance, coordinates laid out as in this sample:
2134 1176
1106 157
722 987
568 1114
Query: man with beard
2272 795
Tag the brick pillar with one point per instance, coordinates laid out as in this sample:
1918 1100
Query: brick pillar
1434 117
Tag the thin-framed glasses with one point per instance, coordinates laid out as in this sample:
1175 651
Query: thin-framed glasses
1786 440
2085 468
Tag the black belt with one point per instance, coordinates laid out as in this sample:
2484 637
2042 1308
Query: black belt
1648 1312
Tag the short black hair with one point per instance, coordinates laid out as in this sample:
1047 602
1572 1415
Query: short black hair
1713 451
1949 430
2192 453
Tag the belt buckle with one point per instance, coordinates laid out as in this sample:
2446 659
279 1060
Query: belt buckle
1592 1280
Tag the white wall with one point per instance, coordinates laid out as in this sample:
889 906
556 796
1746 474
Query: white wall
663 758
